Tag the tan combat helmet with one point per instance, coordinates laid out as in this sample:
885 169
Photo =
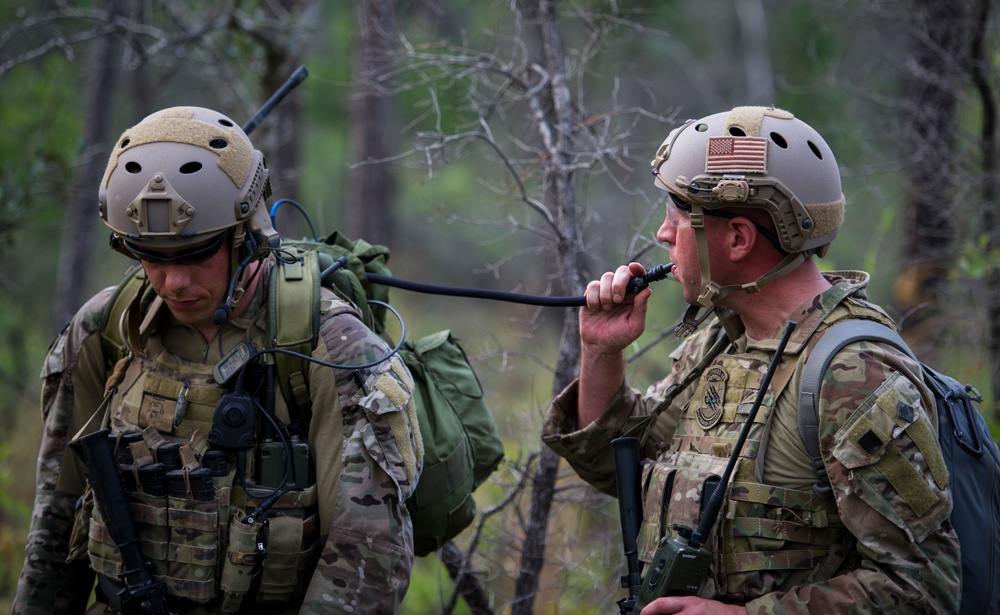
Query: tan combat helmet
181 176
760 158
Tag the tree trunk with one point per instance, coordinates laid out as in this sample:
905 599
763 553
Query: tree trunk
938 52
756 57
81 212
979 67
280 133
368 207
557 127
466 585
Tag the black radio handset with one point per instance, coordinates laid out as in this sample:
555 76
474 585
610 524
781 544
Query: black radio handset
234 423
655 274
680 564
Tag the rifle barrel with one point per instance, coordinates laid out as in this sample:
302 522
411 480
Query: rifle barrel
626 452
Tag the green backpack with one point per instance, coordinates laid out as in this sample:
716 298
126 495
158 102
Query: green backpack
461 444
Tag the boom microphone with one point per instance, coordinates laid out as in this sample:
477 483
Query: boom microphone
225 309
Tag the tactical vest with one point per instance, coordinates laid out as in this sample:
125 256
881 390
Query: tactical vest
189 509
766 538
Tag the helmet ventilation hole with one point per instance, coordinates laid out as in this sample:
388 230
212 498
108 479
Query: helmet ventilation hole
736 131
190 167
779 140
701 127
133 167
225 122
815 150
218 143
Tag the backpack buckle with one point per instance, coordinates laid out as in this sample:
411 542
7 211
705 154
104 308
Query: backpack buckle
975 449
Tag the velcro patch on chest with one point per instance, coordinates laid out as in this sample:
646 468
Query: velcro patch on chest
157 411
709 406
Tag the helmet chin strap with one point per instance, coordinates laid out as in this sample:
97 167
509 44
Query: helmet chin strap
712 291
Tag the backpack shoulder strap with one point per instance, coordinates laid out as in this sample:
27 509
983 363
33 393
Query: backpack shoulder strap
294 284
112 342
830 343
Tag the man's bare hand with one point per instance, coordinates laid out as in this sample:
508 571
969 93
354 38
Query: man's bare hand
691 605
613 318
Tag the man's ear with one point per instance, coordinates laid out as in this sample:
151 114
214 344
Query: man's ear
741 237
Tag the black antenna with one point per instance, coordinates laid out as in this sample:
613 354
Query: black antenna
297 77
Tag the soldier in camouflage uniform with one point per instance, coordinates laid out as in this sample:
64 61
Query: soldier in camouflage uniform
184 194
753 195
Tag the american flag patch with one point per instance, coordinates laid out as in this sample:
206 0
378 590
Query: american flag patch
736 155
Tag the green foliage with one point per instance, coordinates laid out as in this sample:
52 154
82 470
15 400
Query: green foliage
15 510
977 259
37 145
430 588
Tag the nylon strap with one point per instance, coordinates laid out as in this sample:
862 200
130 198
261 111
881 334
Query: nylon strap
284 543
711 292
832 341
757 527
765 494
778 383
293 285
112 340
796 559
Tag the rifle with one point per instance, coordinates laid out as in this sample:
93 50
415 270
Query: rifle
630 509
680 564
142 593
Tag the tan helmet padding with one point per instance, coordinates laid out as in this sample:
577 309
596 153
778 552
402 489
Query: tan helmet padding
751 118
235 160
826 217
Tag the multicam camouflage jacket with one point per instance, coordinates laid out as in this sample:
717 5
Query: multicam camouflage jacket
364 452
881 543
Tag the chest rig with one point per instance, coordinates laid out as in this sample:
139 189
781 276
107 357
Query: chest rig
209 525
765 538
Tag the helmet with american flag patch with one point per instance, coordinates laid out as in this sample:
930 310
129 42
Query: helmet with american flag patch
762 158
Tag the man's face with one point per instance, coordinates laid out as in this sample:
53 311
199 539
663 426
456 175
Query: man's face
192 281
677 233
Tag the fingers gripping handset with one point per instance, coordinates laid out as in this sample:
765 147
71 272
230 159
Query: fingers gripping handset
615 311
611 319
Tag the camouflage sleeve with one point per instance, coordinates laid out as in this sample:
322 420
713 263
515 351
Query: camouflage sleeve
588 450
881 452
72 389
366 560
